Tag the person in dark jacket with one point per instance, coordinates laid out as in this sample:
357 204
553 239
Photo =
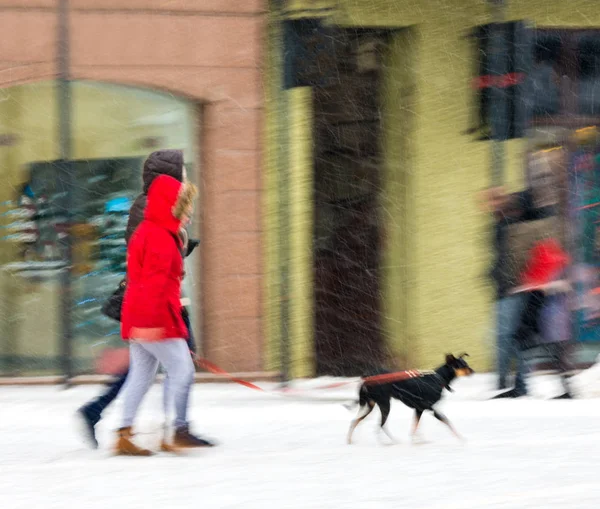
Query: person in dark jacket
161 162
511 211
520 220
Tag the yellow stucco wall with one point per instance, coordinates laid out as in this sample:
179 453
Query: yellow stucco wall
288 139
399 117
436 295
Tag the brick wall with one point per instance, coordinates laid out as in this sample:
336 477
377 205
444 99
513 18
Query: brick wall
209 52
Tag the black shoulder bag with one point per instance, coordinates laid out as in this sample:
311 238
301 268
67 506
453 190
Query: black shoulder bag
112 307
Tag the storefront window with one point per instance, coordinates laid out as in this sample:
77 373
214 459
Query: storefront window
114 129
544 77
589 75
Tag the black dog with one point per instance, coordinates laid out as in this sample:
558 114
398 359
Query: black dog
420 393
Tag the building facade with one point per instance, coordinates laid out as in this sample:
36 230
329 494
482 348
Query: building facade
143 75
422 288
339 224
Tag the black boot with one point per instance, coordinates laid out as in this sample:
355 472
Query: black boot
89 419
91 413
566 386
566 395
512 393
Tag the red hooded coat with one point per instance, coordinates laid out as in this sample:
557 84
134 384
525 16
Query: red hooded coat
155 267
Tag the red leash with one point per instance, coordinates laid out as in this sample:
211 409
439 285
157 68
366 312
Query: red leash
369 380
213 368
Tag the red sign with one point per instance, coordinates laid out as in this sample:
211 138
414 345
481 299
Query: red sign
503 81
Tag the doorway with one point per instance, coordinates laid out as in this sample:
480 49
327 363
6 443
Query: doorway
347 223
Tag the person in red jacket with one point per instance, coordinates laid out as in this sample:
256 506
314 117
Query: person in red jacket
160 162
151 315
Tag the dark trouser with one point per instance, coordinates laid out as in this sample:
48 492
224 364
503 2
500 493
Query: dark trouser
95 408
559 357
552 335
508 310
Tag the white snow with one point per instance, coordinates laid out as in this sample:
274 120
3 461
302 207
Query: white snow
291 453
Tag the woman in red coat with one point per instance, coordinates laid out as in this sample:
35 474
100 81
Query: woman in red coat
151 315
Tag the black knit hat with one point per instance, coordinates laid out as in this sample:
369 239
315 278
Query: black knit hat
162 162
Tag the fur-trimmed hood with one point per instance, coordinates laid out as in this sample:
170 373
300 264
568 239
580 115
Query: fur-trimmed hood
167 201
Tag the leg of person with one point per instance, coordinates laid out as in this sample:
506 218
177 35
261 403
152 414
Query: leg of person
503 328
167 397
522 371
142 372
191 344
165 444
532 308
91 413
562 363
175 357
509 311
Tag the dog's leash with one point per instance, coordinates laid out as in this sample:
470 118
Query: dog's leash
369 380
216 370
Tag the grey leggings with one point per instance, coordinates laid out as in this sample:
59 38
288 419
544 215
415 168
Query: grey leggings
145 356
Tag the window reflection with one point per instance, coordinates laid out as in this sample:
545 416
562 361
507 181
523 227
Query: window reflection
589 75
544 78
114 128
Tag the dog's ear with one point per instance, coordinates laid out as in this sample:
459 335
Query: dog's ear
464 354
450 358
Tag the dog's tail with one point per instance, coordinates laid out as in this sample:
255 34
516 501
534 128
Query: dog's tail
351 405
361 401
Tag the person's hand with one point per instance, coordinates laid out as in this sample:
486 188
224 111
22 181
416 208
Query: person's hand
492 199
147 333
522 288
560 286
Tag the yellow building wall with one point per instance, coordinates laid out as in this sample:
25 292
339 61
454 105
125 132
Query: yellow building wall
288 141
437 297
301 233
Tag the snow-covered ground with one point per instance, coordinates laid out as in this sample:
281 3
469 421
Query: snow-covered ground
290 452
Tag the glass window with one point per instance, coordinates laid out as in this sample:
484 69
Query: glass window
544 77
114 128
589 74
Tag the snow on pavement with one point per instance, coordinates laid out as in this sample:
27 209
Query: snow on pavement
291 453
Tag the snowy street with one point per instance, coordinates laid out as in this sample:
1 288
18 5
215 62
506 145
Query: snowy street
291 453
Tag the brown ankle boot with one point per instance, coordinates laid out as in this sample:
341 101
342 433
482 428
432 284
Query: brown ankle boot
125 447
166 444
167 447
184 439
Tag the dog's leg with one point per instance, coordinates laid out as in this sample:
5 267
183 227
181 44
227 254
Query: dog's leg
385 408
414 435
418 414
441 417
363 411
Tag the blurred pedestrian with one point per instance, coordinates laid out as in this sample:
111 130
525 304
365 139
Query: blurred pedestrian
161 162
520 219
151 314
